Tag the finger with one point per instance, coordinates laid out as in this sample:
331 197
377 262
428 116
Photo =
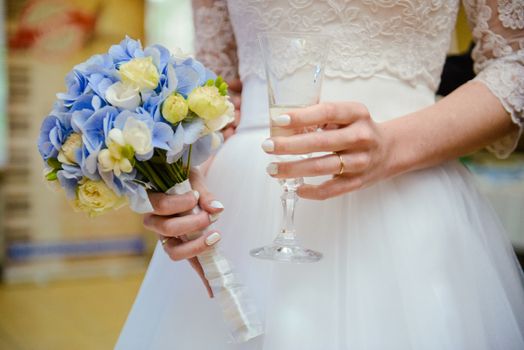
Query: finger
179 251
331 188
236 100
329 164
228 132
236 122
164 204
341 113
235 85
207 200
195 264
350 138
177 226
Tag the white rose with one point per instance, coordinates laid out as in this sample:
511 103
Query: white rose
207 102
123 95
137 135
140 72
96 198
67 154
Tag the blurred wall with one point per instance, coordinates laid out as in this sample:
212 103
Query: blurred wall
44 237
170 23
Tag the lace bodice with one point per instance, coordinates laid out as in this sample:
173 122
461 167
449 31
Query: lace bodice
406 39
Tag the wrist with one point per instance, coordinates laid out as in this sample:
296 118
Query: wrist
397 158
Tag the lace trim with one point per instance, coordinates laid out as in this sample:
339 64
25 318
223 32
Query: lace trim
214 40
511 13
499 66
403 38
504 79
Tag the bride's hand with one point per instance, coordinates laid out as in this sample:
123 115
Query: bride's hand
171 219
348 132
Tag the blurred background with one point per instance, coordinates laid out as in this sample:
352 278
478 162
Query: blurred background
68 281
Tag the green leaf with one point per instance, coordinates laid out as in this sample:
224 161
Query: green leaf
223 89
54 163
52 176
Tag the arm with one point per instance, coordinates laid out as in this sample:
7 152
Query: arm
215 44
171 218
486 112
216 48
468 119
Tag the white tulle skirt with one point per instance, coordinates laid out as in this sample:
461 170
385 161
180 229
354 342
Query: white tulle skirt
419 261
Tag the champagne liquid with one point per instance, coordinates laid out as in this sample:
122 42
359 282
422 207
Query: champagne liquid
276 110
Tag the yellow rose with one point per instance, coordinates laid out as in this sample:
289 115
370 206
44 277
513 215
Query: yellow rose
174 108
140 73
96 198
207 102
67 154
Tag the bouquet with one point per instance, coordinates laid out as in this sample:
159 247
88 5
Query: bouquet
136 120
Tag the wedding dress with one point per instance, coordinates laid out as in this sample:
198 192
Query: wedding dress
419 261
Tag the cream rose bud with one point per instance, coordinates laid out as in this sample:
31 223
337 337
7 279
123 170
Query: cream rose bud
219 123
174 108
207 102
140 73
137 135
122 95
96 198
67 154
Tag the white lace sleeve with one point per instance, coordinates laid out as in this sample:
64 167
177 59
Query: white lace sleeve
498 31
215 44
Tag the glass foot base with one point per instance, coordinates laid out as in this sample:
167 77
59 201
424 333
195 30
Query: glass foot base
285 253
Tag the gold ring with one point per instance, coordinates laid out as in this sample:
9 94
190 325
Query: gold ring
342 165
164 241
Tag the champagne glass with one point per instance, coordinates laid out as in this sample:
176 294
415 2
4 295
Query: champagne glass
294 65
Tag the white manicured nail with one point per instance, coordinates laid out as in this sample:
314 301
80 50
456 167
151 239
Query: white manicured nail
213 238
272 169
213 217
281 120
216 204
197 194
268 145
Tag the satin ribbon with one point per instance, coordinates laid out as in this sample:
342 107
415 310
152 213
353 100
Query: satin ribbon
237 307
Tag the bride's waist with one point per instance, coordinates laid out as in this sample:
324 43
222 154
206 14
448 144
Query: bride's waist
385 97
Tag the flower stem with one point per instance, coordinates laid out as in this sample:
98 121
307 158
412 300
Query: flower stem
188 166
154 177
161 171
145 173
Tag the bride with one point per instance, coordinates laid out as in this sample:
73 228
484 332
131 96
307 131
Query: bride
414 258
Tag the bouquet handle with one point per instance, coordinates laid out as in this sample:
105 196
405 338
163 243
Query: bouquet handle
237 308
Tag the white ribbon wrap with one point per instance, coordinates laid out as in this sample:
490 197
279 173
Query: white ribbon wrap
238 309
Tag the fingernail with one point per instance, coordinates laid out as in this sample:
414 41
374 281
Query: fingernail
216 204
213 217
281 120
213 238
197 194
268 145
272 169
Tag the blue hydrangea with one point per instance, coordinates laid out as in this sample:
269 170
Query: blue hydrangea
83 109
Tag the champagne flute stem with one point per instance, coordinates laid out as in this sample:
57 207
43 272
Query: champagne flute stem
289 200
